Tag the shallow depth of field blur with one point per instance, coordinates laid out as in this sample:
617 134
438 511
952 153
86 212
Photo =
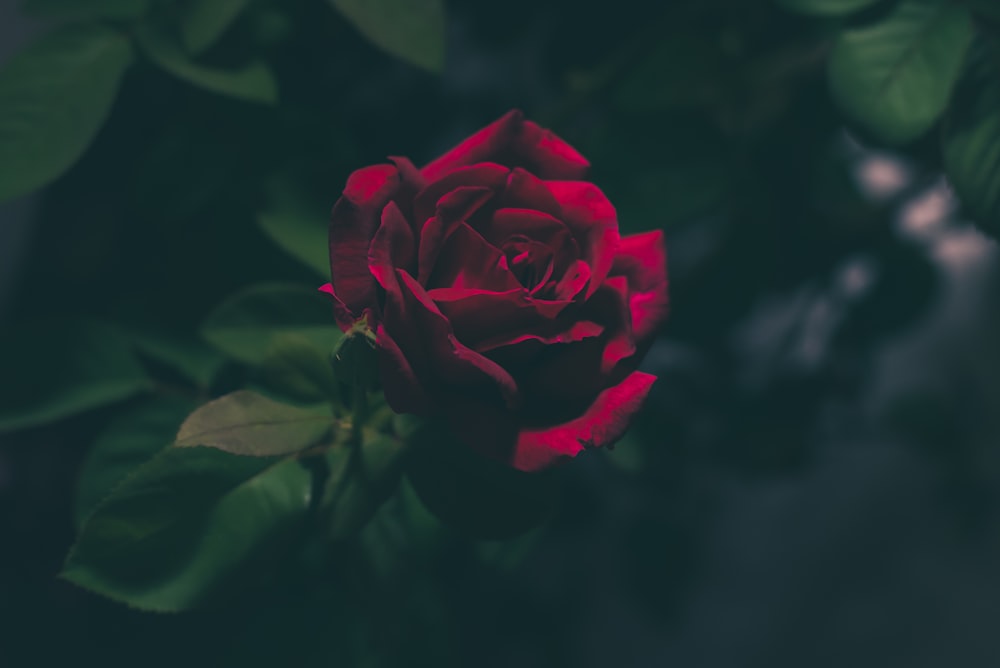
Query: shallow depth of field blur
815 480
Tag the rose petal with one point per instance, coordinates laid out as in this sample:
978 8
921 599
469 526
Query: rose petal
484 175
514 142
604 422
594 223
391 249
427 340
517 348
452 209
353 223
574 373
403 390
411 182
499 317
484 146
524 190
535 225
548 156
530 262
467 260
573 281
642 260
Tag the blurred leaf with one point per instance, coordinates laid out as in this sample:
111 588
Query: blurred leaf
895 77
297 226
191 358
972 141
129 441
254 82
203 22
476 496
361 479
54 97
185 525
58 369
296 366
826 7
413 30
86 9
248 325
249 424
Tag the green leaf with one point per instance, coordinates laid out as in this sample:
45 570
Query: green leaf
57 369
54 97
253 83
895 77
295 366
413 30
203 22
183 528
972 141
249 424
361 479
192 359
129 441
248 325
86 9
297 226
826 7
476 496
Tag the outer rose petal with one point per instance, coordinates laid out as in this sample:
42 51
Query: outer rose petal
548 156
594 223
403 390
604 422
353 223
642 259
514 142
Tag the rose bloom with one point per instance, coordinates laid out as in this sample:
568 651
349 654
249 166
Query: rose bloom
503 298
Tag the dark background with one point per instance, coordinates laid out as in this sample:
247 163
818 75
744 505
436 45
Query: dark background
814 481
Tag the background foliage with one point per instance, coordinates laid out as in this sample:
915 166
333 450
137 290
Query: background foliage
828 374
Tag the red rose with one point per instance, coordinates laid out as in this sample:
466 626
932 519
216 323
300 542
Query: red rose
504 299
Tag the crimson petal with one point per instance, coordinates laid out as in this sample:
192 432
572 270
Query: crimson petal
484 175
403 390
524 190
594 223
467 260
391 249
603 423
514 142
427 339
452 210
483 146
642 260
353 222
